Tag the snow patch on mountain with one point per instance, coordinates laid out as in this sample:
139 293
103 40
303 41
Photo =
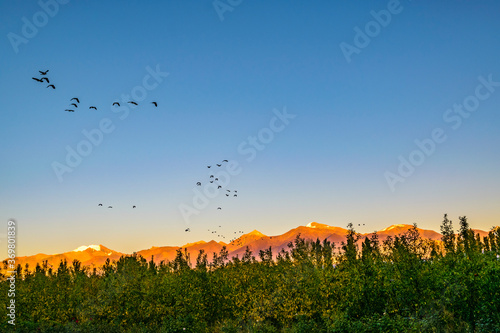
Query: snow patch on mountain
83 248
396 226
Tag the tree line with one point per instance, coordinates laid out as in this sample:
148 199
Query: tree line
404 283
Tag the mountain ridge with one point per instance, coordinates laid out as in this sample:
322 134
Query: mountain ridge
96 255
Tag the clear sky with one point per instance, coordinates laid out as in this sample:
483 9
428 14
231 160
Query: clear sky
355 84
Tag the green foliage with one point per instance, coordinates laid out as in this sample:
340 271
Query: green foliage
403 284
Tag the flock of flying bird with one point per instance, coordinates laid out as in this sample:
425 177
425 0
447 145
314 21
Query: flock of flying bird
74 105
100 205
233 241
213 179
229 193
44 78
75 102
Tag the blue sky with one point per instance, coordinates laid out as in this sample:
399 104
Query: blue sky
227 78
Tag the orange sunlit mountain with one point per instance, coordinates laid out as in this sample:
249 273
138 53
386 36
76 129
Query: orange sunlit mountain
96 255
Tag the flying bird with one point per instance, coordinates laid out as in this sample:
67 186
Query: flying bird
116 103
224 161
110 206
198 184
187 230
44 78
99 205
227 195
211 176
236 195
52 86
218 187
209 166
69 110
133 206
93 107
219 165
155 104
39 80
44 73
132 102
76 99
219 208
74 105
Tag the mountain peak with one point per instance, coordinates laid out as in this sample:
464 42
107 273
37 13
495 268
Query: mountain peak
317 225
256 233
85 247
397 226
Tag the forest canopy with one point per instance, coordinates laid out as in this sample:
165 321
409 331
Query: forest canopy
403 284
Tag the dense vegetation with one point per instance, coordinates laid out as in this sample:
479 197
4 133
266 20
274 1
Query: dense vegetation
404 284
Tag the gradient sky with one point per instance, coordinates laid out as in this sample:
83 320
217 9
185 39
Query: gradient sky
353 119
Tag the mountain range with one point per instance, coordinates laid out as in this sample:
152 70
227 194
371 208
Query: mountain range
96 255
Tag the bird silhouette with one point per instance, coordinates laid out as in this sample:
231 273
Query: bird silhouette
224 161
219 209
217 179
133 206
132 102
209 166
44 73
198 183
211 176
218 187
110 206
69 110
236 195
187 230
76 99
155 104
74 105
228 190
44 78
99 205
235 191
39 80
227 195
93 107
116 103
51 86
219 165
